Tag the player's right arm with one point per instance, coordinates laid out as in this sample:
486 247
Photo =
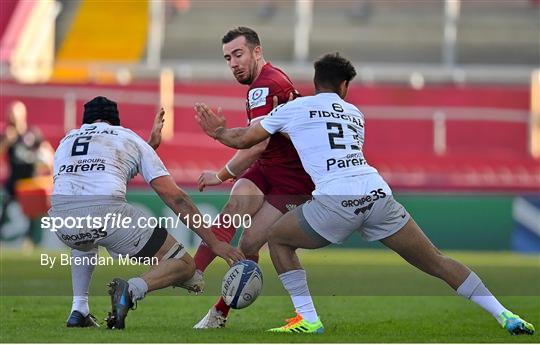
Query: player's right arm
183 206
241 160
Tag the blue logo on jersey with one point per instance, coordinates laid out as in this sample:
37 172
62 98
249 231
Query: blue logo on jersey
257 94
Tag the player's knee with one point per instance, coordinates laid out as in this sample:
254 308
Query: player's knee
234 206
438 264
274 239
272 244
249 243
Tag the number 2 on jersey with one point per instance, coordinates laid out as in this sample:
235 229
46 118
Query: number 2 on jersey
339 134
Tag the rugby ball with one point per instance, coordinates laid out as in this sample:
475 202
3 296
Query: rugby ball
242 284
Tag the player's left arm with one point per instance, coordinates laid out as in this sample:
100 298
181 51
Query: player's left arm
214 125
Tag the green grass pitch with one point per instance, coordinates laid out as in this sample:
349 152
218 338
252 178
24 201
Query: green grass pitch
360 295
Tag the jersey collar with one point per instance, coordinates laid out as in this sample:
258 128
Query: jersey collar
265 66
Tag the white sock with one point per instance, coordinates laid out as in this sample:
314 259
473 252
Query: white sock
80 280
295 283
473 288
138 288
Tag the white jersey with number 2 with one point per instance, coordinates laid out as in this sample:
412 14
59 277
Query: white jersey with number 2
99 159
328 134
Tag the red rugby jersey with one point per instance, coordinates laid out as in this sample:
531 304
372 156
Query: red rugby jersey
272 82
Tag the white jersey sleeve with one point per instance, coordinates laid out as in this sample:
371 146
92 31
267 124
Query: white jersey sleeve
150 165
99 159
278 118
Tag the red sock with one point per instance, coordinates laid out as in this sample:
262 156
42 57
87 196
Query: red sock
222 307
204 255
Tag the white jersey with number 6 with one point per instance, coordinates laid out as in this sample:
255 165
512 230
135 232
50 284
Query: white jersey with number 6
99 159
328 134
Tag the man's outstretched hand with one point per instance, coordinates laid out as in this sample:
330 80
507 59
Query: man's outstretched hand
211 123
155 135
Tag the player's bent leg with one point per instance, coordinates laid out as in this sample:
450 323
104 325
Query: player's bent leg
413 245
245 198
194 283
174 266
289 233
253 238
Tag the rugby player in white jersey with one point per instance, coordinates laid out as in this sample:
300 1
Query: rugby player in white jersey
349 196
92 167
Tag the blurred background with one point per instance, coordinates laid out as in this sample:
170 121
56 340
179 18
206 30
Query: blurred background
450 90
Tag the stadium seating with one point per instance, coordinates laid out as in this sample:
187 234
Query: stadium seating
485 126
405 31
119 37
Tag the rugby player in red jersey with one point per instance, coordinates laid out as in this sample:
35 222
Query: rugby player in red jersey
270 176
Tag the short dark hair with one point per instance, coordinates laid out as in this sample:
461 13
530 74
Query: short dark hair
331 70
252 39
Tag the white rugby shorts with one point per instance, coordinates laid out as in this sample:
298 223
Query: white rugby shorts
133 240
360 203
